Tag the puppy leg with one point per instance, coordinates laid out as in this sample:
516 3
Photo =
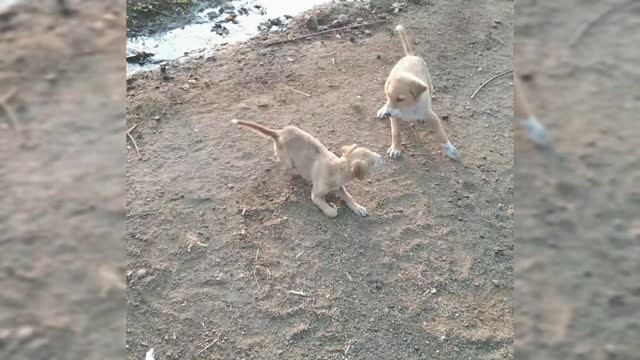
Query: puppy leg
344 195
447 147
396 142
285 160
318 198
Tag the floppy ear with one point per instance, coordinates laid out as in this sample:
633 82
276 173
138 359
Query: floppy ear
417 87
346 150
358 169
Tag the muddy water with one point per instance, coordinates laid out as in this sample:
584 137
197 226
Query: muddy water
199 37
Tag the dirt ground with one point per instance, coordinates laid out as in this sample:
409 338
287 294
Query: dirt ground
218 236
577 291
62 191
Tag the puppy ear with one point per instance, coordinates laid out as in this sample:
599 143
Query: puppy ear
417 87
358 169
346 150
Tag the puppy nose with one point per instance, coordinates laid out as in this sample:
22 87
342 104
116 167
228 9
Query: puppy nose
379 161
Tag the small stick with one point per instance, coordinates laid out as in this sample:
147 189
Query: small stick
349 276
490 80
13 118
333 62
324 32
593 22
299 92
299 293
256 278
346 351
132 140
208 346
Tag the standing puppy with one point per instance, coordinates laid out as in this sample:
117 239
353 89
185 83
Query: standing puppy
302 154
525 116
408 90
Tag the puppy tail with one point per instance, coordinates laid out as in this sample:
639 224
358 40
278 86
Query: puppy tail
408 50
258 128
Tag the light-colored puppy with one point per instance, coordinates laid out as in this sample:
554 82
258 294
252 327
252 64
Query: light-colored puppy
524 115
302 154
408 90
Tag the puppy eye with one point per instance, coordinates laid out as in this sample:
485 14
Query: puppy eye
400 99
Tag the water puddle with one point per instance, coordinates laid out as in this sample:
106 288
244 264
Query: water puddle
213 29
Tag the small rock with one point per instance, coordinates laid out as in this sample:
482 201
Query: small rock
367 32
344 19
141 273
290 59
352 39
25 333
156 117
312 23
335 24
226 9
231 18
433 290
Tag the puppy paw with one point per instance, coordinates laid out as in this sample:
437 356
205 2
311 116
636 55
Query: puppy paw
536 132
394 152
382 113
451 151
360 210
332 211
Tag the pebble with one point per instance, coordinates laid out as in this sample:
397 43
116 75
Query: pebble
141 273
312 23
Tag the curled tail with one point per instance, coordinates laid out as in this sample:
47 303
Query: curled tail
258 128
408 50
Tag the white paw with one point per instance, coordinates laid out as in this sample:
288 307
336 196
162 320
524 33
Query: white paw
360 210
332 211
382 113
536 132
394 152
451 151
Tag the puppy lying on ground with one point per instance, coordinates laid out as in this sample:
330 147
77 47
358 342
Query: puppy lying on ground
408 90
525 116
302 154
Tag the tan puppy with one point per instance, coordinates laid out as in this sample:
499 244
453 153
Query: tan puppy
302 154
525 116
408 90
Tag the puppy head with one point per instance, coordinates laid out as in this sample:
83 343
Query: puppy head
362 160
402 94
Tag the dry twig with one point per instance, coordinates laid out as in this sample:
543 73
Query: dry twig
324 32
298 91
490 80
13 118
133 140
593 22
208 346
299 293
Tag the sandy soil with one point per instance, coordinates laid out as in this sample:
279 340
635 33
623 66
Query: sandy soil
218 236
577 208
61 182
